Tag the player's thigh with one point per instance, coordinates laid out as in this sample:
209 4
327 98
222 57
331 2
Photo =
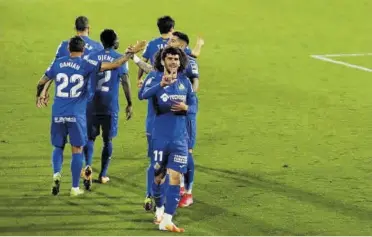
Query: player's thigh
58 132
77 131
93 126
178 156
191 130
160 152
109 125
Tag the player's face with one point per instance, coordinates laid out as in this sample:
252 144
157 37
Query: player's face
172 62
174 41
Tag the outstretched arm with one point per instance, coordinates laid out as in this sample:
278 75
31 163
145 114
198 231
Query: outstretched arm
198 46
143 65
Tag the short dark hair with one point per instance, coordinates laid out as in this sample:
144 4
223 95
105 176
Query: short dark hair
76 44
81 23
165 24
109 38
162 53
182 36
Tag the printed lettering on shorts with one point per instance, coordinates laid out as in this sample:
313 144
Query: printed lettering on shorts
180 159
64 119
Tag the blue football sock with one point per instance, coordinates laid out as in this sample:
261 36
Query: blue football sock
150 180
88 151
189 176
76 166
159 191
57 159
173 198
106 157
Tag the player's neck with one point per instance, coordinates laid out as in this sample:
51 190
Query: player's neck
166 36
82 33
75 54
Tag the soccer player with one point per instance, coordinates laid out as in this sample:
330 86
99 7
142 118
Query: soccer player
71 74
103 110
173 98
82 29
181 40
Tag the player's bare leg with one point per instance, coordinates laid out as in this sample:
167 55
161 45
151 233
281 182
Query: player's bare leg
172 195
76 166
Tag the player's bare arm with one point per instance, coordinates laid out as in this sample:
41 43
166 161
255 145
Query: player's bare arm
141 70
195 85
42 95
125 83
198 46
143 65
140 45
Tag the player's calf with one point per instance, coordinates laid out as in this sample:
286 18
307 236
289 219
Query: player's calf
76 166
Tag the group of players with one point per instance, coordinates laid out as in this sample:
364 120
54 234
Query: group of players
88 76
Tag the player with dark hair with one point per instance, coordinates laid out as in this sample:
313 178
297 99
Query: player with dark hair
173 98
181 40
82 28
104 108
71 74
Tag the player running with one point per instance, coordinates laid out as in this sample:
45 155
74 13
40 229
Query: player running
173 98
103 110
71 74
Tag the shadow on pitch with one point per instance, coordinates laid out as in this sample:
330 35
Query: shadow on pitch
248 180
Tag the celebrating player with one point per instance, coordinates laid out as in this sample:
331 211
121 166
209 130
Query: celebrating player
104 108
181 40
71 74
173 98
82 29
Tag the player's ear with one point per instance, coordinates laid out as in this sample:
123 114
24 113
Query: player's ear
162 62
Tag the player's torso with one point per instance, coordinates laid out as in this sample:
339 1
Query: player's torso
168 124
90 47
71 86
106 97
154 46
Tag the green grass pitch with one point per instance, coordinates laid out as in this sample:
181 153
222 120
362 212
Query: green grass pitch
284 141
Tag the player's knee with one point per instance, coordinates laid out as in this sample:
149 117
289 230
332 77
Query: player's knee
59 147
106 140
77 149
174 177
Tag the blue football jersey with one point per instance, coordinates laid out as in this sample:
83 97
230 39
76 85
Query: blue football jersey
106 84
167 124
192 69
90 47
150 107
153 47
71 75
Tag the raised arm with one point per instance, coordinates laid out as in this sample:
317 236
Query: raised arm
198 46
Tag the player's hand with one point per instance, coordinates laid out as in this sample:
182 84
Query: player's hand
169 78
140 45
179 106
129 111
200 41
140 83
42 101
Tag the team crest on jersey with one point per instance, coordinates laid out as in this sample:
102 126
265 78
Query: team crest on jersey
157 166
164 97
181 87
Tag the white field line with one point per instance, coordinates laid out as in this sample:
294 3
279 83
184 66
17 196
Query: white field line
346 55
323 58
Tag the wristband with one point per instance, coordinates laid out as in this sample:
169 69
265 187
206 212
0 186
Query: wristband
136 59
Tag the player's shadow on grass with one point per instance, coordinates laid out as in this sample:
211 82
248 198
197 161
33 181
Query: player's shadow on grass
245 179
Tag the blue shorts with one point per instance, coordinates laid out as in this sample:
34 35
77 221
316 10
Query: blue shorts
191 130
108 124
170 154
74 127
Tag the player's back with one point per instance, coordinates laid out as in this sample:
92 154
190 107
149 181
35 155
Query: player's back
91 46
153 47
71 75
106 96
192 69
168 124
